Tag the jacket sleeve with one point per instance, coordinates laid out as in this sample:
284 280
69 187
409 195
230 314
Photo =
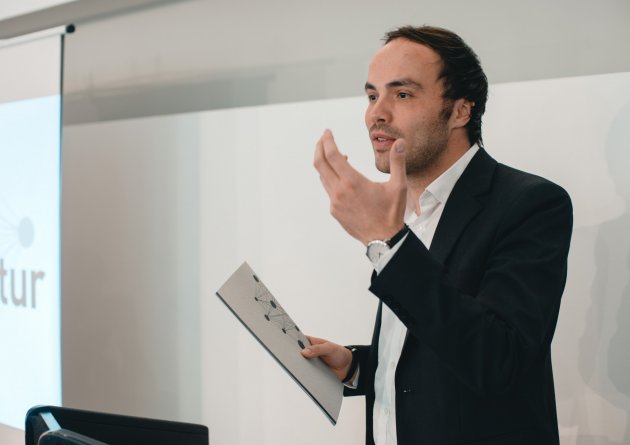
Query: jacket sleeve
489 337
362 352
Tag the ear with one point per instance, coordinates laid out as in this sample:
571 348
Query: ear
462 110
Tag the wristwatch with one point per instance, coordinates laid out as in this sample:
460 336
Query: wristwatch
377 248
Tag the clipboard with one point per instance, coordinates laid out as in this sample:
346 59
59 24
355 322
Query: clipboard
247 297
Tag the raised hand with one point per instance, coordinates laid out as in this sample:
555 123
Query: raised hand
367 210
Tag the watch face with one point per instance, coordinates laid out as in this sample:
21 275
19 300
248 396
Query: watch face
376 249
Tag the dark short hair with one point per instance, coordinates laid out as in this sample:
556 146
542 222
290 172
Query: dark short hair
461 74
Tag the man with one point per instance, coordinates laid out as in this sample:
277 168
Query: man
471 284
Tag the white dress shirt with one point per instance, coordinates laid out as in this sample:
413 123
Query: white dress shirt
393 331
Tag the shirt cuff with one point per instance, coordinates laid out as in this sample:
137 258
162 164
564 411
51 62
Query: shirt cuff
352 384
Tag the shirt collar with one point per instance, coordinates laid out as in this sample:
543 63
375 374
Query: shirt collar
442 186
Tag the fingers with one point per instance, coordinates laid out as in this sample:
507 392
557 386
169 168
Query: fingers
337 161
397 163
336 357
322 348
319 348
329 161
326 173
315 340
331 151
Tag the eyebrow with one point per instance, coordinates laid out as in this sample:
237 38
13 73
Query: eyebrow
396 83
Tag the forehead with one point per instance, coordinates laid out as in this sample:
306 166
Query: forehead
404 59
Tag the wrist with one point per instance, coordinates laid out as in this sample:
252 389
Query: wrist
392 240
392 234
378 248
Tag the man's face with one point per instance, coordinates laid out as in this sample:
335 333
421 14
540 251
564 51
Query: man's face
405 101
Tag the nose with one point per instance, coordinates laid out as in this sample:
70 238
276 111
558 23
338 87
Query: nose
379 111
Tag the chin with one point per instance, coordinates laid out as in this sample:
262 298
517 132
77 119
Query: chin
382 167
381 161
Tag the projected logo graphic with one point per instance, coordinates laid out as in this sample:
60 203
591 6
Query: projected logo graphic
29 257
17 287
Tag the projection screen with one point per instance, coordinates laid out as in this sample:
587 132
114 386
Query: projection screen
30 117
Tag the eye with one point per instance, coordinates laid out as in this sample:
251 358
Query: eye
403 95
371 97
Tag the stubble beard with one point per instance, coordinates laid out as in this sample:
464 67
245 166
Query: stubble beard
425 154
425 150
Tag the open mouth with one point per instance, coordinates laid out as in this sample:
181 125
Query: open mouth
382 141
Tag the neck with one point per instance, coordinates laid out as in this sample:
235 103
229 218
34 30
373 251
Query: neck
419 181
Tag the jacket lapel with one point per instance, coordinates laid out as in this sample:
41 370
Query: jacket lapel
463 204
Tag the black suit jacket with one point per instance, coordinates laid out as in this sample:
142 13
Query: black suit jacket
481 308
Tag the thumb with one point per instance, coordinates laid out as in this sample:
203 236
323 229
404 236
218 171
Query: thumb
317 347
397 165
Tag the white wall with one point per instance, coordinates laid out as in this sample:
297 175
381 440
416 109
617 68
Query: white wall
130 268
248 174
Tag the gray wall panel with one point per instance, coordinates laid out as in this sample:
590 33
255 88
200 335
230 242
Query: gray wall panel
202 54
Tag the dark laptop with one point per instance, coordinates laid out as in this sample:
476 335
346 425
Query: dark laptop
52 425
